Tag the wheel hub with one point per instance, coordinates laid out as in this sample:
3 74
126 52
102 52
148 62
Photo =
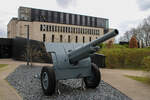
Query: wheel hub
45 80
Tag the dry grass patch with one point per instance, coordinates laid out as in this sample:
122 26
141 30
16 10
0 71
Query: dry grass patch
145 80
3 65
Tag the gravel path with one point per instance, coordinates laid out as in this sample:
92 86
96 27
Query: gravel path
25 79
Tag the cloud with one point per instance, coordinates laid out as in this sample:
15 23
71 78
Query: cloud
3 28
65 3
125 26
143 4
2 33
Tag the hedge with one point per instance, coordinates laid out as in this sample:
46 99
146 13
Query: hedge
146 62
126 57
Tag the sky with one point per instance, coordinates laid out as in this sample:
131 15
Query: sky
122 14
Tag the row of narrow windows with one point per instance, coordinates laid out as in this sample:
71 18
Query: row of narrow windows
69 38
53 28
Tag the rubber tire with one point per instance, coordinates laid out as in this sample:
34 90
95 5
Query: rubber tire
94 81
51 80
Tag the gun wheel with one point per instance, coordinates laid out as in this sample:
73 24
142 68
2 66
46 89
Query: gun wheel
48 80
94 80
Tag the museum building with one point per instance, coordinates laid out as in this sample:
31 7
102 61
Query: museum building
54 26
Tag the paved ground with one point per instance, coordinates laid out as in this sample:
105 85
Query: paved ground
29 87
7 92
132 88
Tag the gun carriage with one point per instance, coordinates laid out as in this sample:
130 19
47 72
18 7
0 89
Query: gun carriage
70 61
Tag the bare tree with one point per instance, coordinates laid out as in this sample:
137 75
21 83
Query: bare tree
35 53
127 35
142 32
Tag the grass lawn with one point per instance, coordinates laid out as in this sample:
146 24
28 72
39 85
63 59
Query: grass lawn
145 80
3 65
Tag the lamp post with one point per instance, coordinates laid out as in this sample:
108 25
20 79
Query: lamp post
28 45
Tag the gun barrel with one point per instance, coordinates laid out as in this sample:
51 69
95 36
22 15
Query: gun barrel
85 51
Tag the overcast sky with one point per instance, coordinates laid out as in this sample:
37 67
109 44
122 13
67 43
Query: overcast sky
122 14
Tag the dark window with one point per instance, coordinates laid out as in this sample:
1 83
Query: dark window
91 21
58 17
83 31
52 28
69 29
76 39
61 38
44 36
53 38
96 37
68 38
81 19
66 29
61 29
64 18
35 15
58 29
41 27
70 18
75 19
86 20
90 39
95 22
49 28
83 39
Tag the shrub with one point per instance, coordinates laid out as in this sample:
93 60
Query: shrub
133 43
102 45
120 46
125 57
109 44
146 62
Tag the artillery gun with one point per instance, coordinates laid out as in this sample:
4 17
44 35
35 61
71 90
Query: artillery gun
72 60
